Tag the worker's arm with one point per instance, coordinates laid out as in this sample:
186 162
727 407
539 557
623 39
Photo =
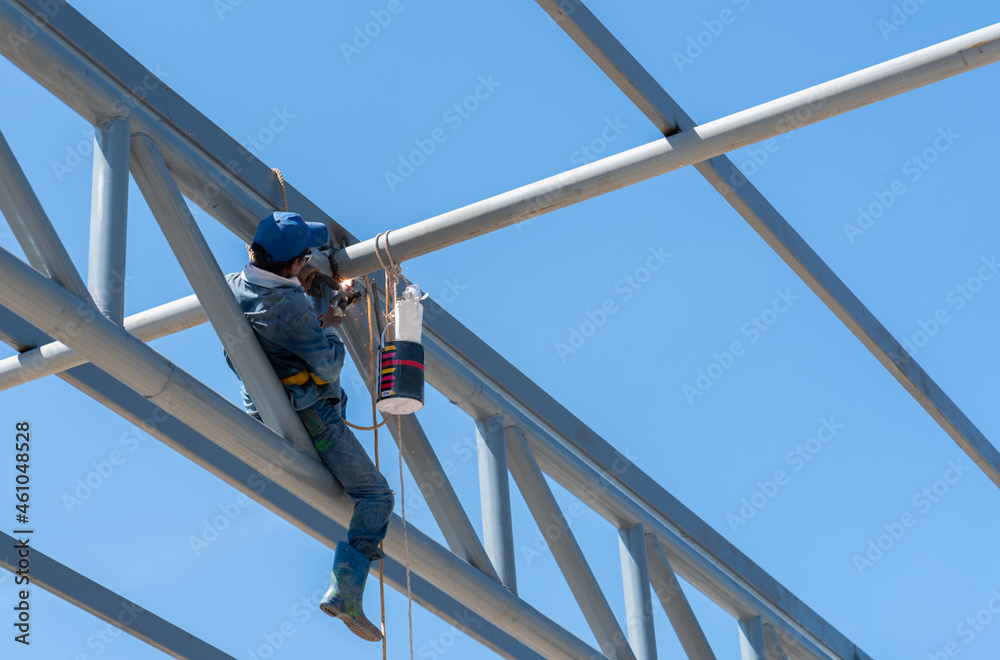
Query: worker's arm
321 348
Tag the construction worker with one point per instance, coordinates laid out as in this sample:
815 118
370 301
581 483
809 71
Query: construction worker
305 348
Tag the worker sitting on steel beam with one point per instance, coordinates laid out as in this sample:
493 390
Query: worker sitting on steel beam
307 353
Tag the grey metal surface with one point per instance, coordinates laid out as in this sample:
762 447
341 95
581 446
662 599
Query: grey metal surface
108 218
565 549
203 452
494 497
688 147
773 645
44 303
108 606
675 603
56 356
205 276
431 477
752 645
638 602
31 226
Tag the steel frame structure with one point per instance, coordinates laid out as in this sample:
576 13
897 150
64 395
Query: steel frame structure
173 151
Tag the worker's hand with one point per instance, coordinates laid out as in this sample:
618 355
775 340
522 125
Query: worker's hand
306 276
330 319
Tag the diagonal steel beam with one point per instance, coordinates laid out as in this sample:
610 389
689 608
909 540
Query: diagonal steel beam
32 228
623 69
675 603
203 272
108 606
203 452
44 303
565 548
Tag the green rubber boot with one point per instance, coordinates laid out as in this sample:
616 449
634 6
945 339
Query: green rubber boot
347 587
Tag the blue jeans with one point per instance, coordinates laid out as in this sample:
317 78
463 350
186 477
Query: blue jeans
348 461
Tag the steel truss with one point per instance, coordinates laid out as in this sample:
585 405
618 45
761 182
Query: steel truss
174 151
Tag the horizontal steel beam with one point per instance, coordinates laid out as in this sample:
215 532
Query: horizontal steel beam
56 356
703 142
44 303
105 604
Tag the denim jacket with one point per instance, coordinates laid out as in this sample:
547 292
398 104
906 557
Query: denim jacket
307 358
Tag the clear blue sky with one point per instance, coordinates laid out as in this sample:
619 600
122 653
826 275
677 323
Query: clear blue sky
346 118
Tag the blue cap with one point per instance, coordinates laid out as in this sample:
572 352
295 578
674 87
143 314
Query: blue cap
286 235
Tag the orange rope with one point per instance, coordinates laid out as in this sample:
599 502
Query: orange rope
381 545
281 180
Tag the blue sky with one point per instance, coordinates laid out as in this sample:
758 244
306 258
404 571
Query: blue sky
800 396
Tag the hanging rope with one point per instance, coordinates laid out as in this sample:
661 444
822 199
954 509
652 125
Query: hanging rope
372 309
281 180
406 546
393 272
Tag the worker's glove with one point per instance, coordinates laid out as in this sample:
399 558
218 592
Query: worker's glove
326 267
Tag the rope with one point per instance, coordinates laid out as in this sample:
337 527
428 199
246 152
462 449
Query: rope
381 544
281 180
406 546
393 272
368 428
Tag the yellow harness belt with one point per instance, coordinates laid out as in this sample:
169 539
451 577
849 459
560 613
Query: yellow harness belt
302 378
